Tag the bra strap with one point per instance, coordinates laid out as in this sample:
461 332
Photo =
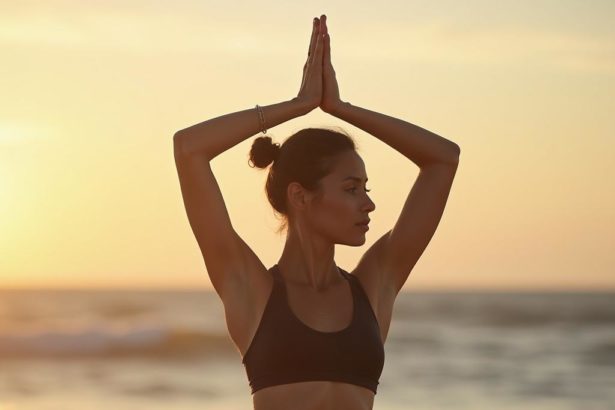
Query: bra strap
344 274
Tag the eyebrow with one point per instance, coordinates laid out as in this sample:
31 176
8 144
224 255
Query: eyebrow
355 179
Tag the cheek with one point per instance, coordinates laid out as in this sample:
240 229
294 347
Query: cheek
339 208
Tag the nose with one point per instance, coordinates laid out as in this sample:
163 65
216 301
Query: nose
369 205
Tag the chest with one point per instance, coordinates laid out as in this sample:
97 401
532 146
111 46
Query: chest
329 311
339 340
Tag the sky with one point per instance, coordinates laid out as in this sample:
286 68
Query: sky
92 94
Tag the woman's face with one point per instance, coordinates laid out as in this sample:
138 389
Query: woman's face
343 203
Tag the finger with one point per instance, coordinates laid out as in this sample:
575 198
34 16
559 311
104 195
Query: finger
324 34
314 46
327 50
323 24
315 26
316 58
321 38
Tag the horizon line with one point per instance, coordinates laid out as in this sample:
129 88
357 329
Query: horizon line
211 290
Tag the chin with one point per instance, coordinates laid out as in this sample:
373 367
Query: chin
356 241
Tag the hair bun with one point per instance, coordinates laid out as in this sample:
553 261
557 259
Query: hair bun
264 151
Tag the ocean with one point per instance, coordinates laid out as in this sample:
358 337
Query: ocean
94 350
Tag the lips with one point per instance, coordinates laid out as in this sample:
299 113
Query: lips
365 222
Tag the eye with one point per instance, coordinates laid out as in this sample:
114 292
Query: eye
355 188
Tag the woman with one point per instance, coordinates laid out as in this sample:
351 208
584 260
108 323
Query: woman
312 335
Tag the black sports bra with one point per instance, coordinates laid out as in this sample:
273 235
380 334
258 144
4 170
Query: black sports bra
285 350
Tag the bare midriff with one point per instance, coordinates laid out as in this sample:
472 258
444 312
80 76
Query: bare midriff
314 395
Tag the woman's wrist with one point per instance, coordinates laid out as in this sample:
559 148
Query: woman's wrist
337 109
302 105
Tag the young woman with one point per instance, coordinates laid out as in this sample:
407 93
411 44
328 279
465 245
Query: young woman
311 334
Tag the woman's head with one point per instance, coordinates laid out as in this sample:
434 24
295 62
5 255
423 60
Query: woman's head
308 180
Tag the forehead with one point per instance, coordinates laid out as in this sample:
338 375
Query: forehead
348 164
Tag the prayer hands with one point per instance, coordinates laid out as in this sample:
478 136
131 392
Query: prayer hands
319 85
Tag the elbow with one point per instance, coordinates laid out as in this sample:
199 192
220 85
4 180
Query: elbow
456 148
176 135
455 152
177 145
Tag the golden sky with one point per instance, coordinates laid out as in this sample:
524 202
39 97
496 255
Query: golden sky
92 94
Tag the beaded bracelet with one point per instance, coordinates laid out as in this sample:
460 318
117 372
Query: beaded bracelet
262 117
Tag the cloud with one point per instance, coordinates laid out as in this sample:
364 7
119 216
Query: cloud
157 32
448 43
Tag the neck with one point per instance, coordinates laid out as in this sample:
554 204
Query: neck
307 261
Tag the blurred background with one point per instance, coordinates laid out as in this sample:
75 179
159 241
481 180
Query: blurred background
104 296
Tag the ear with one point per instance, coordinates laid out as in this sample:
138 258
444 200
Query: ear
298 197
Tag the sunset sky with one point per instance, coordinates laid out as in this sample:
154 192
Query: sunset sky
92 93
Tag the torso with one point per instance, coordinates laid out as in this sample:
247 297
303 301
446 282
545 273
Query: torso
327 311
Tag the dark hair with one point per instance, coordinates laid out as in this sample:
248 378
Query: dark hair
305 157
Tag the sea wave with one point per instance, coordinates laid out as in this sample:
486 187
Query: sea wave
152 342
510 310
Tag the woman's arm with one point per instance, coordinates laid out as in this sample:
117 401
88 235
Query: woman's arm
389 261
212 137
417 144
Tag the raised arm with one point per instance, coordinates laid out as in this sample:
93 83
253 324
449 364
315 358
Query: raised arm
387 264
210 138
226 255
392 258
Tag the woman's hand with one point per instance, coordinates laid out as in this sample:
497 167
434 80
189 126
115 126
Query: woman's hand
330 95
311 88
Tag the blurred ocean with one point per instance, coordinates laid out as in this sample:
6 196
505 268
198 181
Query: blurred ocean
150 350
